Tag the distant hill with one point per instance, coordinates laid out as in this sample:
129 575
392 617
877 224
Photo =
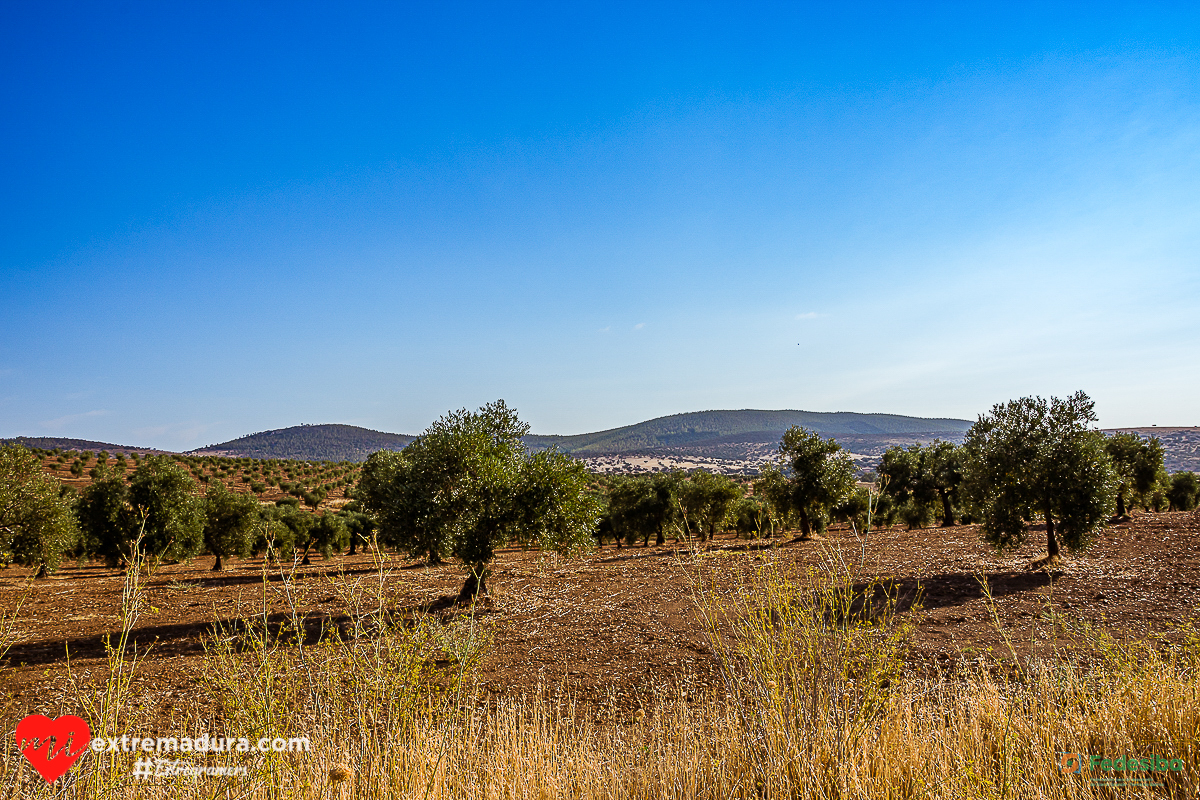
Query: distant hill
701 429
311 443
746 436
81 445
1181 446
706 429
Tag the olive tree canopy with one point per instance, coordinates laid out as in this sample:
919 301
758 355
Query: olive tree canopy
467 486
1031 458
821 476
36 524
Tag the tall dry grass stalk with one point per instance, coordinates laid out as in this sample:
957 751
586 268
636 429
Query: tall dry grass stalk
817 702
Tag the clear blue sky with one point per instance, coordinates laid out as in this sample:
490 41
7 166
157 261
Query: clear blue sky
223 218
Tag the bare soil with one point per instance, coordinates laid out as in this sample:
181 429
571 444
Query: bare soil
606 627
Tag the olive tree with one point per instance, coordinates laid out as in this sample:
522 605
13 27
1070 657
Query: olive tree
164 506
105 519
772 487
907 483
1184 491
359 525
643 506
36 524
751 516
917 476
1137 463
328 533
229 522
944 466
821 476
705 499
1030 458
466 486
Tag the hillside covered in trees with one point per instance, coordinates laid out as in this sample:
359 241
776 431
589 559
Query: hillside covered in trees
61 443
310 443
707 428
730 435
701 429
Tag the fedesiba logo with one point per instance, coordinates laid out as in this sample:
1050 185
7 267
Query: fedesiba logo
1076 762
1126 770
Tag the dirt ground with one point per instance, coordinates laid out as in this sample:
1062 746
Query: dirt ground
606 626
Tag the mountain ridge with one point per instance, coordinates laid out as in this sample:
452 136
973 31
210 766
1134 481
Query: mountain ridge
719 435
749 425
330 442
690 429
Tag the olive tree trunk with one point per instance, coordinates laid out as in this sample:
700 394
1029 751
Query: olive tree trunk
947 509
475 585
1051 542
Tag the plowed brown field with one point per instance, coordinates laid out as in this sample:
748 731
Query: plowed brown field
607 626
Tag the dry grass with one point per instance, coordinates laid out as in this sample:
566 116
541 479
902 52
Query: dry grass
817 703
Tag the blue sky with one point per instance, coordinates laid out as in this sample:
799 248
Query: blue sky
224 218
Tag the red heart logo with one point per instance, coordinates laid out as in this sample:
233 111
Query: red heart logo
55 759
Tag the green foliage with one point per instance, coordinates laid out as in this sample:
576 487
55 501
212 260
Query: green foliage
554 508
886 510
229 522
281 530
1149 474
821 476
705 499
643 506
1030 457
751 517
324 442
162 494
1158 498
105 518
917 477
404 498
314 499
706 426
36 524
772 487
328 534
915 514
1138 464
1184 492
907 482
943 462
467 486
857 509
360 526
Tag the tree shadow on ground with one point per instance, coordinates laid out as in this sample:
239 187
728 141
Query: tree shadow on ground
277 575
870 600
188 638
877 600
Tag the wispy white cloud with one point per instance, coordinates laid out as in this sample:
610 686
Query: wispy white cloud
639 326
606 329
810 315
58 423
